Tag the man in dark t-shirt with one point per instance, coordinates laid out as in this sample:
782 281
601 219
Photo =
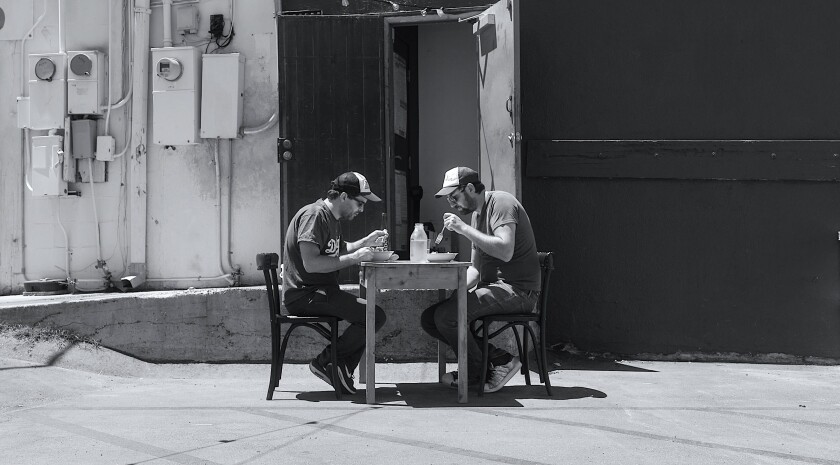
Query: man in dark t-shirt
505 271
313 252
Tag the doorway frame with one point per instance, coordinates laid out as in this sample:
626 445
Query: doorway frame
466 14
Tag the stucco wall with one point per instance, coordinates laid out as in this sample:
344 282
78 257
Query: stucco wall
184 237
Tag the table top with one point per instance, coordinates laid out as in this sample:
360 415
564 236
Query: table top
403 263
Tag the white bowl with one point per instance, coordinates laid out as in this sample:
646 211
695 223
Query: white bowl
382 256
441 257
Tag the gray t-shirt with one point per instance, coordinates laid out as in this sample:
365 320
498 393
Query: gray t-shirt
523 269
313 223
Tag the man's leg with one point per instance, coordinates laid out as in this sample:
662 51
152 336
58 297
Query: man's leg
335 302
493 299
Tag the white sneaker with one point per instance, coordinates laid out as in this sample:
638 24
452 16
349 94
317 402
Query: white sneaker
500 375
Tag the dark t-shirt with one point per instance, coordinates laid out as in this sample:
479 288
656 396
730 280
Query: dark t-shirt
523 269
313 223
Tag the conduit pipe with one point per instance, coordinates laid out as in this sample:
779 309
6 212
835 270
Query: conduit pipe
167 23
136 166
24 133
262 127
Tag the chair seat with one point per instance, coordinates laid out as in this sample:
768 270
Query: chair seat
307 319
510 317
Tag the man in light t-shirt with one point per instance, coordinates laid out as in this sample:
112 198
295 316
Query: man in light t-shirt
504 276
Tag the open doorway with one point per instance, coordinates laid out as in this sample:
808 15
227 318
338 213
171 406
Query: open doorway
432 120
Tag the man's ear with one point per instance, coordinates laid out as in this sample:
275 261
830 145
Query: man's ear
469 189
343 196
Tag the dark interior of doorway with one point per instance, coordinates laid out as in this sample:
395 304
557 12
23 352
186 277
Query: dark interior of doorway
406 149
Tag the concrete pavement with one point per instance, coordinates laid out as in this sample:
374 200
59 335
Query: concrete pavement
81 405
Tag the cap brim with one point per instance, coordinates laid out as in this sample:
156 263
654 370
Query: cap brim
372 197
446 191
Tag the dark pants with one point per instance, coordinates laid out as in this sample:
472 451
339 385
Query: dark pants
335 302
441 320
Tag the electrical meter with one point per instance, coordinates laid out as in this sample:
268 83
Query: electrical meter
45 69
169 68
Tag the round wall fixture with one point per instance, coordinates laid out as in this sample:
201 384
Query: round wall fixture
81 65
169 69
2 18
45 69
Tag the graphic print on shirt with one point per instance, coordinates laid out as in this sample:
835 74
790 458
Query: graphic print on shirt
332 247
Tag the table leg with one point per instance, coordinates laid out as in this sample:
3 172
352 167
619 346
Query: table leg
463 376
370 337
441 346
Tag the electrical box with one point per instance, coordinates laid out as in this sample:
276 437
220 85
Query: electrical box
83 140
47 170
176 77
221 95
47 90
87 82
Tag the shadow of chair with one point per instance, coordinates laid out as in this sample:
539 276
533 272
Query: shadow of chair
326 326
521 320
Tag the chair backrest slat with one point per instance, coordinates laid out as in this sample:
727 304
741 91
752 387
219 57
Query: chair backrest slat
268 263
547 266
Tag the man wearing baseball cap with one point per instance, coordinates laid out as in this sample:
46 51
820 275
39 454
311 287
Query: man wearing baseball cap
313 252
504 276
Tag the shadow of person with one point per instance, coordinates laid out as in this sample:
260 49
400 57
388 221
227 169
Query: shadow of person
436 395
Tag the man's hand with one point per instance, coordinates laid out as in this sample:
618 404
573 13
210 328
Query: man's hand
375 238
365 254
454 223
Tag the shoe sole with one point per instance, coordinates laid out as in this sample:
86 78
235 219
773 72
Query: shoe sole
320 374
513 371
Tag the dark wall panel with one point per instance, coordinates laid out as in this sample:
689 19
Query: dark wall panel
659 266
331 95
672 260
664 69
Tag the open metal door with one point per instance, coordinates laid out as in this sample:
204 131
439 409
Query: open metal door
497 38
331 98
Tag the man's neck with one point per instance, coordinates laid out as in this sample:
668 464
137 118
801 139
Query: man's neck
482 199
333 208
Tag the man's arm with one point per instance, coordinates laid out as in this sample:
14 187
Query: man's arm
314 262
375 238
472 271
499 244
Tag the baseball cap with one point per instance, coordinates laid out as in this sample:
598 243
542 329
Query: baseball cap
457 177
354 184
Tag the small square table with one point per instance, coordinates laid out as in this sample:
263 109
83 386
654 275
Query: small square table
403 274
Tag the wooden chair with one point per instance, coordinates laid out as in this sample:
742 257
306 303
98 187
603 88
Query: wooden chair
522 320
326 326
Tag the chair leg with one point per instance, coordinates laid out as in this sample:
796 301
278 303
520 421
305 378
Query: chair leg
541 362
523 353
544 362
523 356
334 358
272 379
485 342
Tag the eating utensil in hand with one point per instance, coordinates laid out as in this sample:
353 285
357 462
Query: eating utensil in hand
438 239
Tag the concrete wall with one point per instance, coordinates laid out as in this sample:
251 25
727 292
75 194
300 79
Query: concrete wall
215 325
182 229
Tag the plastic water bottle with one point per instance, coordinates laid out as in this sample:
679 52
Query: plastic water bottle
419 244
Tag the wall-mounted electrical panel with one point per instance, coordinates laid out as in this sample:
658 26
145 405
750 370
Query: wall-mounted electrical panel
222 78
83 138
176 76
47 176
87 81
47 90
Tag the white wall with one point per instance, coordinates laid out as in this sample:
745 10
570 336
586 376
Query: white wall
182 199
448 106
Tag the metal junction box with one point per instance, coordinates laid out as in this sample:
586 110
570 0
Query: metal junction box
47 166
87 82
222 78
176 76
47 90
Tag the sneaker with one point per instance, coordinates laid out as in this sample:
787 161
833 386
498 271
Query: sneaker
346 378
500 375
320 370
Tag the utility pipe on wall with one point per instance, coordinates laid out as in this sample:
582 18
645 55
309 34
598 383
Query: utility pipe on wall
167 23
137 162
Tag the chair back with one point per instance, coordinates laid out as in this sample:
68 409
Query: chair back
268 263
546 266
